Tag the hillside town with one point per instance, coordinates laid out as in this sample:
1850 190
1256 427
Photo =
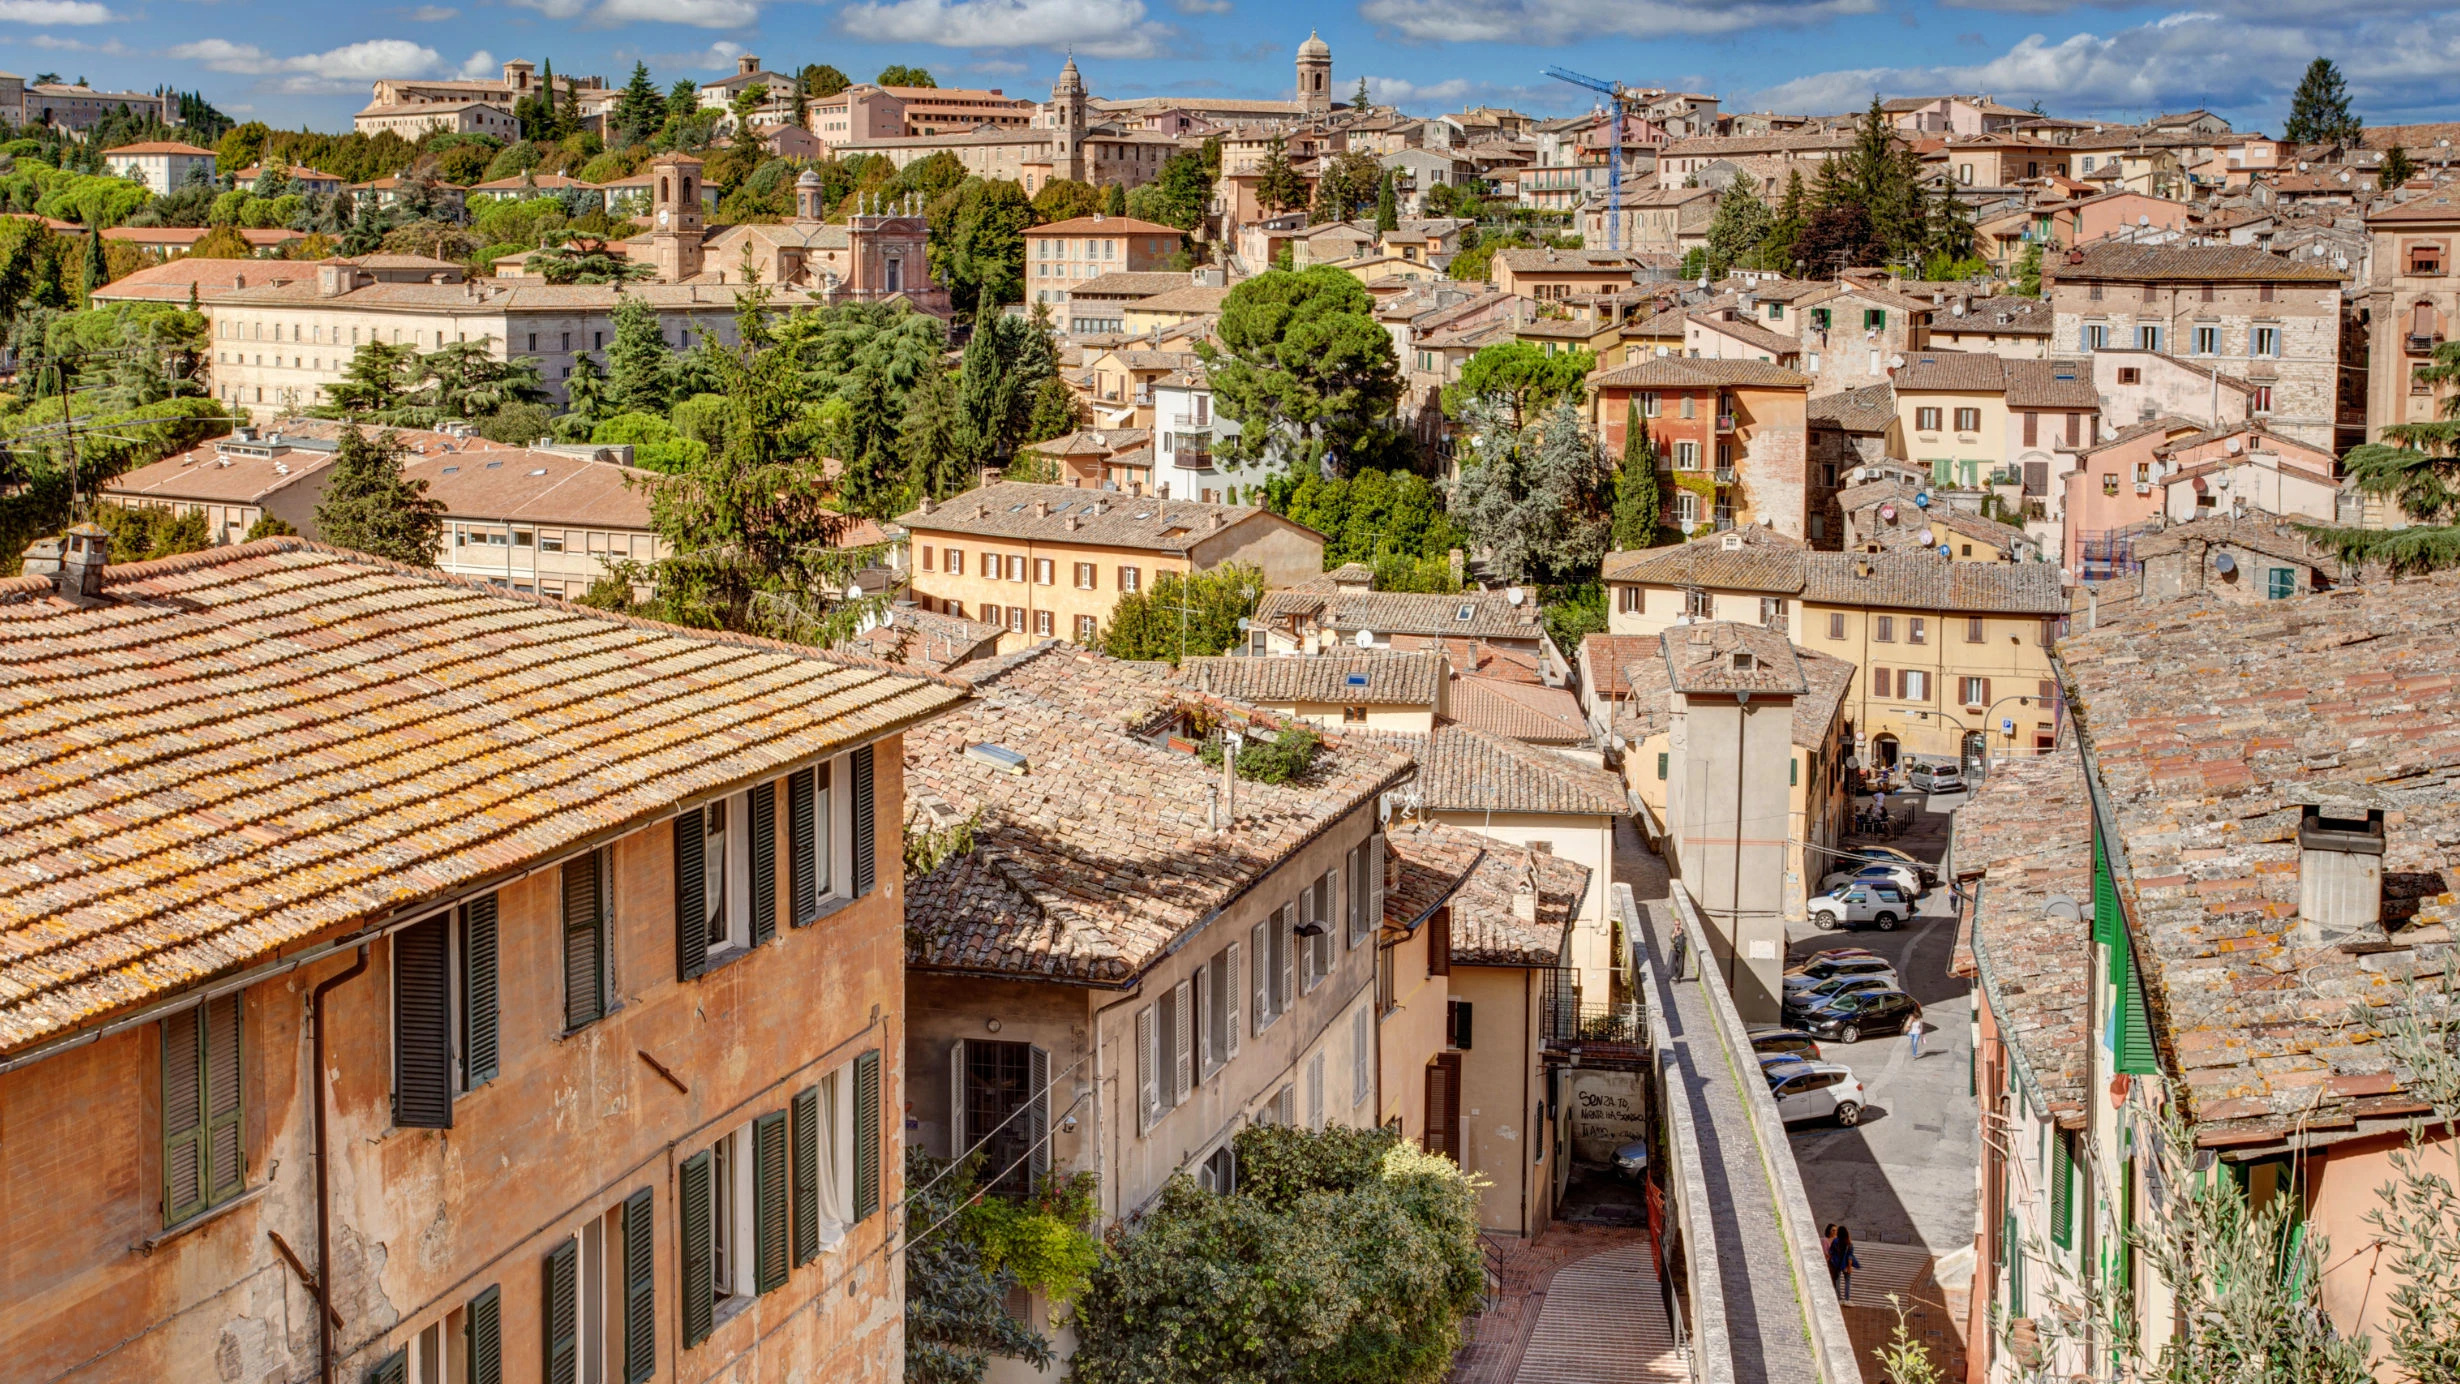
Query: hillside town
764 726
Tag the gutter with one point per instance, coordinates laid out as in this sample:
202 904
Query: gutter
324 1160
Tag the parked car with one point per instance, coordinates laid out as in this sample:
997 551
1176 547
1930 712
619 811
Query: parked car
1903 877
1936 778
1850 1018
1883 906
1817 1091
1830 969
1768 1041
1890 855
1631 1162
1800 1001
1827 954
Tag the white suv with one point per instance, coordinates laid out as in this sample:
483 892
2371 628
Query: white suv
1816 1091
1881 905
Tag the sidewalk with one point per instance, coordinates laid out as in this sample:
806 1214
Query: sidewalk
1578 1304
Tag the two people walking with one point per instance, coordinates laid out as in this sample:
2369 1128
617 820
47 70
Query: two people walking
1838 1243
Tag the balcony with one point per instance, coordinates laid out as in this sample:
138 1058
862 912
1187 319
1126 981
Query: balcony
1725 475
2420 343
1725 422
1184 422
1572 1020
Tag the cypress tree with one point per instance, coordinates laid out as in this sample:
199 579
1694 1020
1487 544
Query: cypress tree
1636 501
1387 207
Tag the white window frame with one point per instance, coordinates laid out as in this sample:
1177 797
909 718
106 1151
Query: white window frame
726 877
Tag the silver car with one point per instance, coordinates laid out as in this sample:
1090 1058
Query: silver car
1817 1091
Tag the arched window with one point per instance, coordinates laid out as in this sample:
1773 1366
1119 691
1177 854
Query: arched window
665 192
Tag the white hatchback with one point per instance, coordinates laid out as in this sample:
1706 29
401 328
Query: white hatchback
1816 1091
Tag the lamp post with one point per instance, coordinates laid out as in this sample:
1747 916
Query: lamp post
1963 730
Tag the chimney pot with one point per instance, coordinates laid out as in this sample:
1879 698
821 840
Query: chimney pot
2340 871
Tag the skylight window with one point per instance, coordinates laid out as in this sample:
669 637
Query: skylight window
1355 680
1466 612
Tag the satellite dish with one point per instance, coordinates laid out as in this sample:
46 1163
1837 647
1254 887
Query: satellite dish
2224 564
1515 595
1896 362
1945 551
1922 498
854 591
1888 512
1926 538
1245 624
1365 639
2143 221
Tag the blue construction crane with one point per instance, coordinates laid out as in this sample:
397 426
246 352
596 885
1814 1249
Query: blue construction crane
1621 96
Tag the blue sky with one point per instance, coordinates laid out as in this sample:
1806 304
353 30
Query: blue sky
292 61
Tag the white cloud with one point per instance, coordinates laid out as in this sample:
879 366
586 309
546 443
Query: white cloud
1567 21
1096 28
1201 6
555 9
55 12
717 57
700 14
481 66
346 69
53 43
1398 91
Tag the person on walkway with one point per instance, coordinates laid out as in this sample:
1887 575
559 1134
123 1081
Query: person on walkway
1842 1263
1913 1033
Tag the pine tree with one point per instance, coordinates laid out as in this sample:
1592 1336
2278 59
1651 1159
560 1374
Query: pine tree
931 447
1793 212
641 110
97 264
371 506
2319 111
1279 187
1740 225
1359 102
1636 499
2397 168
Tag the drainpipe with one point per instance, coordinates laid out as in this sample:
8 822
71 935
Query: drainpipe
324 1210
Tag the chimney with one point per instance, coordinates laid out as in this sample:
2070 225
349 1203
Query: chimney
74 562
1524 905
2340 872
1042 509
928 503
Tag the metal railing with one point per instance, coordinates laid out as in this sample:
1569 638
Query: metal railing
1569 1018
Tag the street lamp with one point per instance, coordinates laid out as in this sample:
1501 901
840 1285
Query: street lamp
1964 730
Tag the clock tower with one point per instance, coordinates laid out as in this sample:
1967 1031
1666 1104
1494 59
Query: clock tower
675 212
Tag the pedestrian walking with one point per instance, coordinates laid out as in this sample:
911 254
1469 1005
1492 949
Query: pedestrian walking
1913 1033
1842 1263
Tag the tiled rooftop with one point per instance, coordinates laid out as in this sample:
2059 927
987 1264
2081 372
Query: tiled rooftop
2051 384
1758 560
1955 372
925 639
1870 409
1087 866
2210 726
1063 514
1518 710
1490 614
2028 833
1683 372
1608 655
1461 769
2188 263
1722 656
1481 878
1383 679
248 746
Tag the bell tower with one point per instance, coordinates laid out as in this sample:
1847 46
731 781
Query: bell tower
1068 116
1315 75
675 210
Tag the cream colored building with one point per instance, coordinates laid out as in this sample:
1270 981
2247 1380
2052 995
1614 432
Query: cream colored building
234 481
1952 412
164 166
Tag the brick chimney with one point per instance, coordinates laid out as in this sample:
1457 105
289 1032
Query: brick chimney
74 562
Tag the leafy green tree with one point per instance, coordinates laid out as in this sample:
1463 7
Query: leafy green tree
580 259
1056 411
1637 501
1065 199
1279 185
640 363
956 1294
377 380
370 505
586 395
1183 189
977 243
2416 468
1793 212
821 81
933 444
1573 613
97 264
1518 378
141 535
1195 615
465 379
656 444
1535 499
1306 371
1738 229
2397 168
1114 199
1349 1255
2028 271
1371 515
2319 110
898 74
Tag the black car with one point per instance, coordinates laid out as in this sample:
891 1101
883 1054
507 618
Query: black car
1770 1041
1797 1003
1851 1018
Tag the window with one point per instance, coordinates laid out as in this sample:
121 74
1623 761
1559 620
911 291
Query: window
204 1124
2265 341
2096 334
1362 1057
1085 576
586 910
1913 685
1271 944
1874 319
1217 1011
999 1105
1086 629
2032 429
1043 571
2260 399
2207 341
1917 629
445 1022
1016 619
1836 624
1366 901
1131 579
1974 691
1044 623
2266 293
1687 456
2280 582
1165 1067
956 562
1883 629
1016 567
926 557
1880 682
1973 629
1968 420
1630 600
1699 605
1772 612
2109 484
1926 419
2426 259
1686 508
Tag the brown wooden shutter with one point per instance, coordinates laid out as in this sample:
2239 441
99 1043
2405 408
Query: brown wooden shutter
769 1230
640 1287
560 1314
422 1027
691 895
866 1134
1986 698
803 1159
1439 942
866 863
694 1262
764 862
183 1115
802 852
584 941
1879 682
481 1045
225 1103
2032 428
1443 1106
483 1332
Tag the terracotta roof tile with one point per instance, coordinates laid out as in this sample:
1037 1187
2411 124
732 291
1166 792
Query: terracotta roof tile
927 639
1461 769
1381 679
1960 372
1486 882
2028 833
1043 513
1518 710
2051 384
251 745
1490 614
1679 372
1721 656
1758 560
2190 263
1870 409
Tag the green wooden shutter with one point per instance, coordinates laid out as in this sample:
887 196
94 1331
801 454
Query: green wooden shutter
481 1048
2135 1052
392 1369
1661 765
866 865
866 1134
802 853
183 1115
483 1332
422 1027
2108 927
2062 1190
560 1314
584 941
691 896
803 1154
694 1260
769 1233
225 1146
764 862
640 1287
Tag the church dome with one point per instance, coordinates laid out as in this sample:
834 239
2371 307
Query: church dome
1315 47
